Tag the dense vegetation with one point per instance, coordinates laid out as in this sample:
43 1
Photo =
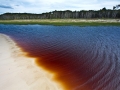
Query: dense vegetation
103 13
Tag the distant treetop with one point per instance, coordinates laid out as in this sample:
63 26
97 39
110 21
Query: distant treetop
116 7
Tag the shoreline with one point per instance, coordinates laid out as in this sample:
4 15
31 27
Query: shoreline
18 71
65 22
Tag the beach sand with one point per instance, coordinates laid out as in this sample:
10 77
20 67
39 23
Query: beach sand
19 72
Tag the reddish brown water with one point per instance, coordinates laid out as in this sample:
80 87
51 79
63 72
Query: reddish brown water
82 58
75 68
66 67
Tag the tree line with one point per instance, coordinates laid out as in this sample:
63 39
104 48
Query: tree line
67 14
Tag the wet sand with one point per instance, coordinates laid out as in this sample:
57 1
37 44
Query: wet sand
19 72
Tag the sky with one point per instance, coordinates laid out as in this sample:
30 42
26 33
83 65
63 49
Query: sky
42 6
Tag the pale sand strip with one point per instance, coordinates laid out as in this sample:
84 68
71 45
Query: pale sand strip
18 72
65 20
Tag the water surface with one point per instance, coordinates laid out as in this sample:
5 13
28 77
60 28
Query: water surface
82 58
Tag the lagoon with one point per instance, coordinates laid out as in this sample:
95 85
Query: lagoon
82 58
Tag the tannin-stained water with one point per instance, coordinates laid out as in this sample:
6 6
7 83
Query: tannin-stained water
82 58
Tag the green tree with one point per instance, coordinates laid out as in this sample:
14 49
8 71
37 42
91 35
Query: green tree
104 9
116 7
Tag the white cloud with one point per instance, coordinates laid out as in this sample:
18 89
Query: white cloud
40 6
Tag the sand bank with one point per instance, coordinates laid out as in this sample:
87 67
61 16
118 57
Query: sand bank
65 22
18 72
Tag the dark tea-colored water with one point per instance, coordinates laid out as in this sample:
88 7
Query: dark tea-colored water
82 58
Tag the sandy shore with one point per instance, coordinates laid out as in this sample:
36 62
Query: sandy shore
18 72
65 20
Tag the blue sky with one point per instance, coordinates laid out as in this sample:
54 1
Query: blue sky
41 6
